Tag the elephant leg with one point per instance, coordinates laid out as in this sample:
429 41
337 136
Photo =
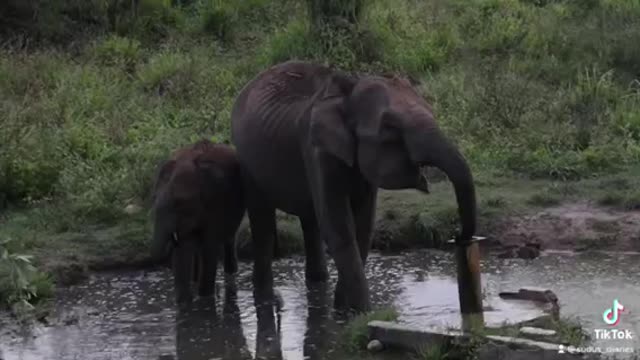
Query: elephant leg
262 219
230 255
316 262
183 258
208 266
331 198
363 205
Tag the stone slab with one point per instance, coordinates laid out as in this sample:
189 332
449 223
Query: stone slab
534 331
410 338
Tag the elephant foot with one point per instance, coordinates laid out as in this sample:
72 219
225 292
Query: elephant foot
350 301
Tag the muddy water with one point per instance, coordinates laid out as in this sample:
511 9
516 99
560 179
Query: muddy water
131 315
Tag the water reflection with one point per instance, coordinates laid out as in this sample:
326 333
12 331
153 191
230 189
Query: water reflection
132 315
317 335
202 334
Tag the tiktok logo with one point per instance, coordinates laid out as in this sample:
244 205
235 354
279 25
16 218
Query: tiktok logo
611 316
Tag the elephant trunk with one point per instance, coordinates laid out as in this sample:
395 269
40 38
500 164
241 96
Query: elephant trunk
163 233
432 148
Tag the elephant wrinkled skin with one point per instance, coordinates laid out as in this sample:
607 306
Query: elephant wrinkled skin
317 143
198 207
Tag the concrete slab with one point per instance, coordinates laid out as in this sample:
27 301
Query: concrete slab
538 332
410 338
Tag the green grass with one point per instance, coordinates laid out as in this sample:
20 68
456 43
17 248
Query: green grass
355 335
21 285
569 331
542 97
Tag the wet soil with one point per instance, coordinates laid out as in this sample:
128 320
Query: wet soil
575 226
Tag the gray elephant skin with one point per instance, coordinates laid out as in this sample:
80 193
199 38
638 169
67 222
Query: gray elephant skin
198 206
318 143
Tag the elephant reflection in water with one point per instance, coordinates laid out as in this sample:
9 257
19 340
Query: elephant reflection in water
318 334
268 307
203 334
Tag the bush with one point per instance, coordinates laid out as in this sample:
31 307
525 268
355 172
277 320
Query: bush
119 51
21 285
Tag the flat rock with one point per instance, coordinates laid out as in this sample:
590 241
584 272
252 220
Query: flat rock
498 347
534 331
531 294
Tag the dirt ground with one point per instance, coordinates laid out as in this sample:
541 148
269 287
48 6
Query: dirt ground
574 226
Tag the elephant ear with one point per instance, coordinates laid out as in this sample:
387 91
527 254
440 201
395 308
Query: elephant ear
328 117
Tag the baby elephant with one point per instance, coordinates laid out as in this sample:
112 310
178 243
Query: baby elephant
198 207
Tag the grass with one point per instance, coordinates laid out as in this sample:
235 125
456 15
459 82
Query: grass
568 332
355 336
93 98
21 285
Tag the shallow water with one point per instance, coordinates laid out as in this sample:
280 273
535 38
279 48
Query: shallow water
131 315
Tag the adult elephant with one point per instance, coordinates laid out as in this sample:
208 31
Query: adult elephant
317 143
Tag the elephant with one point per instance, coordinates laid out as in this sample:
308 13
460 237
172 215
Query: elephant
198 205
318 142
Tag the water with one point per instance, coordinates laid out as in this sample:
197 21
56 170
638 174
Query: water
131 315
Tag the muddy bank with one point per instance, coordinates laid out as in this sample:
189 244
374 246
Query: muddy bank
404 220
576 226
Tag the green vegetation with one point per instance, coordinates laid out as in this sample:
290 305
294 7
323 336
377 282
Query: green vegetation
21 284
538 94
355 335
569 331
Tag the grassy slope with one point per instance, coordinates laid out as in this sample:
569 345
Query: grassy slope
84 126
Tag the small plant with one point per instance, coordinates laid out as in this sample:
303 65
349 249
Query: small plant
569 331
435 352
218 18
355 334
119 51
21 285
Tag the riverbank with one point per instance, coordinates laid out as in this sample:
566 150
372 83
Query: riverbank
594 214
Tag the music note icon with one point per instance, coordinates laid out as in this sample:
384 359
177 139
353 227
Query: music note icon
611 316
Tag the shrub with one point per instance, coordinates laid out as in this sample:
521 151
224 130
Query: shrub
21 285
119 51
